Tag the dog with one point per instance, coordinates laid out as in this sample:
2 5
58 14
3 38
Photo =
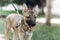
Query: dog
22 26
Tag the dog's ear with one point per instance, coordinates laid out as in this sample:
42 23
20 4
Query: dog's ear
35 9
25 8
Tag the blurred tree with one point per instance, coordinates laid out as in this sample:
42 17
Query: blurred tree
48 14
16 1
32 3
3 2
41 4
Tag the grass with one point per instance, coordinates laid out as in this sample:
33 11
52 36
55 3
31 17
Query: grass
11 12
2 25
7 12
42 31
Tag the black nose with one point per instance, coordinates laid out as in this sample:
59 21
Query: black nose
33 24
30 23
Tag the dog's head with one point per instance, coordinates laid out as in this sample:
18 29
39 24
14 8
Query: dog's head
30 14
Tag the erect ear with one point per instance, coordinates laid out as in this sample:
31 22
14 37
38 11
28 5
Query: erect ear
35 9
25 8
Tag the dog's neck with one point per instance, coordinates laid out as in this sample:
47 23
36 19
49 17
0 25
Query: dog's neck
24 25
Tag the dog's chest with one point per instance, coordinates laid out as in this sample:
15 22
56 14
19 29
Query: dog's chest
28 33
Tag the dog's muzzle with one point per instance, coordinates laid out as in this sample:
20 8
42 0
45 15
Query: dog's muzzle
30 23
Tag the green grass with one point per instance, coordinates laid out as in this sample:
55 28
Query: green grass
7 12
42 31
11 12
2 25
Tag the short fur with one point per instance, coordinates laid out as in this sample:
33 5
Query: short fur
18 23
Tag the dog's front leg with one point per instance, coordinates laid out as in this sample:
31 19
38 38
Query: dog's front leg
22 36
7 33
15 35
29 36
7 30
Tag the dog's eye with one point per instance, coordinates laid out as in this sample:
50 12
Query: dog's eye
27 17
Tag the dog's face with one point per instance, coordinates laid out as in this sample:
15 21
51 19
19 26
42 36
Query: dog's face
30 15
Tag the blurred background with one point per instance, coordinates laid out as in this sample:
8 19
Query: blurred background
48 19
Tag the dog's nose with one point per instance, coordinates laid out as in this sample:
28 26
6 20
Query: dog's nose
33 24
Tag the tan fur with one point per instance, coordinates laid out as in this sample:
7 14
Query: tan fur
11 22
22 32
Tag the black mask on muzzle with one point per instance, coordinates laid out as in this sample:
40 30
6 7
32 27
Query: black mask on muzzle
30 23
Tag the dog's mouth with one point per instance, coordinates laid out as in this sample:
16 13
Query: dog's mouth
31 24
31 28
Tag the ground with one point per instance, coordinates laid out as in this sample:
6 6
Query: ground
2 37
